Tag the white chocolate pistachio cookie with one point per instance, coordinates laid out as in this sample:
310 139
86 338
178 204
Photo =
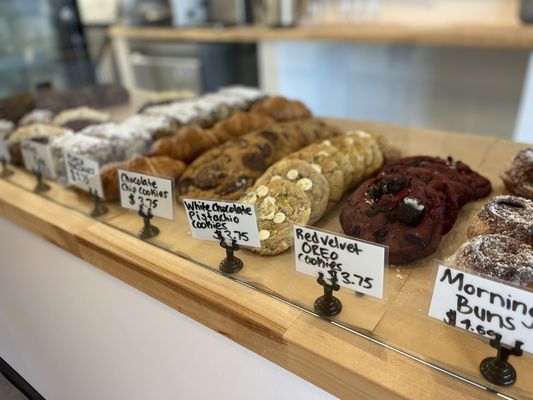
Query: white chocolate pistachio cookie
373 155
325 162
306 177
358 155
282 206
375 145
327 149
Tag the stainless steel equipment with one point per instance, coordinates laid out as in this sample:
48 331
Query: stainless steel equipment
230 12
274 12
198 68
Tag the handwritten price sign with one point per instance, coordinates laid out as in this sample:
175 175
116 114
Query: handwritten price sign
147 192
211 220
84 173
483 306
37 158
355 264
4 152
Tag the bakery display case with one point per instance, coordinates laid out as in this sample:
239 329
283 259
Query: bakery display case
418 192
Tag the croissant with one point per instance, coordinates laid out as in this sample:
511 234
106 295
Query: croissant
282 109
241 123
192 140
159 166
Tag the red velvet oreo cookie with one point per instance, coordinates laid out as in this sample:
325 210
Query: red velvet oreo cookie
399 211
411 204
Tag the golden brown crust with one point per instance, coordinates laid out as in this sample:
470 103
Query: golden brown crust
192 140
227 171
282 109
504 215
158 166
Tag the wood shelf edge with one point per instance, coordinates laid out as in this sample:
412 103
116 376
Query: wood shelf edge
514 36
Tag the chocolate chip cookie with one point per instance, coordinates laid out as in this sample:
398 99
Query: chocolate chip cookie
226 171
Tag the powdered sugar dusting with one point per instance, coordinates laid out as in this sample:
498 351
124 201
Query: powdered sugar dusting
509 215
497 256
518 178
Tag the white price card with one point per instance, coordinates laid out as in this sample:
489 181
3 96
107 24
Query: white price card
38 158
152 193
357 264
84 173
483 306
210 220
4 151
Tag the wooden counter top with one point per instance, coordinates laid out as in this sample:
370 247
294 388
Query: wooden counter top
511 36
344 363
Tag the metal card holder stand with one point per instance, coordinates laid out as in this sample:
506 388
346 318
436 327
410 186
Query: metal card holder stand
498 370
328 305
5 170
148 230
41 186
230 264
99 209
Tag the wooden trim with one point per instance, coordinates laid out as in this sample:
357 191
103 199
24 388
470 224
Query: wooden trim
338 361
512 35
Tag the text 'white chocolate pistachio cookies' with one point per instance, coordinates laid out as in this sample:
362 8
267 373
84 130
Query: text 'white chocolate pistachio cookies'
497 256
518 178
306 177
505 215
279 206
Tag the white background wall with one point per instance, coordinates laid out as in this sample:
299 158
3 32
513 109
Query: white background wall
456 89
75 332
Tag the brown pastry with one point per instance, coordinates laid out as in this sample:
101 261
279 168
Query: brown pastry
157 126
192 140
15 107
497 256
518 178
79 118
241 123
505 215
37 116
159 166
228 170
282 109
